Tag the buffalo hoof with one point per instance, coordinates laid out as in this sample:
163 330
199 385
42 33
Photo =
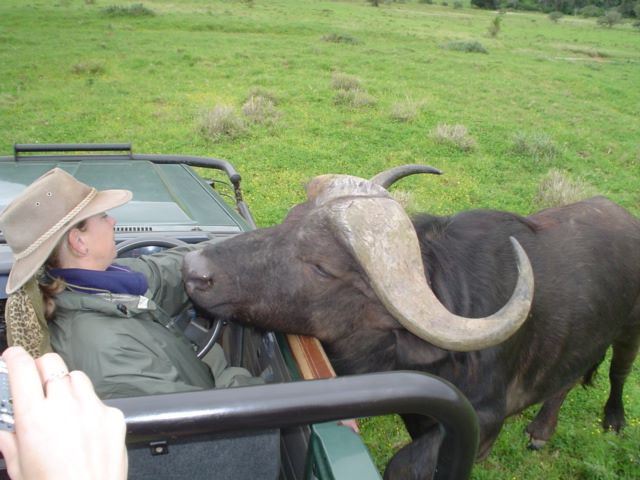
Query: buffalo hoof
536 443
537 436
614 422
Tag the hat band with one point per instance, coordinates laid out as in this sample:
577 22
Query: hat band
46 235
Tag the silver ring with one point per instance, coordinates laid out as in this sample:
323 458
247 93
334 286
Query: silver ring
55 376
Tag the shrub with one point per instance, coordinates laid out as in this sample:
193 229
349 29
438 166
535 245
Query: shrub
590 11
406 111
428 2
221 122
135 10
263 92
636 24
537 146
337 38
494 26
610 18
343 81
557 189
88 68
406 199
456 135
354 98
555 16
260 110
457 4
465 46
492 4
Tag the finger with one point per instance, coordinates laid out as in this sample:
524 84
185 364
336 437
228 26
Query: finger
24 380
9 449
53 374
82 387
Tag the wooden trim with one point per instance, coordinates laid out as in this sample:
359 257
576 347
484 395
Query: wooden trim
310 357
313 363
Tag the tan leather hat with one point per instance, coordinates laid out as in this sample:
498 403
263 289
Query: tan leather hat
38 218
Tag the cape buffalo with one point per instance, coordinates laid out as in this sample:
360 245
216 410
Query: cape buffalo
349 267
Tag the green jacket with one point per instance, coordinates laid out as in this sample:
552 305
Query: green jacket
127 344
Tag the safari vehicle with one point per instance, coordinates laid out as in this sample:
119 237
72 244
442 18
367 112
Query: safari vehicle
285 429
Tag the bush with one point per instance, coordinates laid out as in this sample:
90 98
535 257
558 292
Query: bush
494 27
557 189
610 18
555 16
539 147
260 110
343 81
465 46
491 4
135 10
405 111
592 11
263 92
354 98
455 135
458 4
220 123
337 38
88 68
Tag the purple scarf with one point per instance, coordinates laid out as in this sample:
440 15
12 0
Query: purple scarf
115 279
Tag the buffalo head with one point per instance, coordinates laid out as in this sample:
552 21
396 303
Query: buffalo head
345 261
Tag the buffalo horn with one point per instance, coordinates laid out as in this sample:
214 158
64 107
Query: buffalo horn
389 177
382 238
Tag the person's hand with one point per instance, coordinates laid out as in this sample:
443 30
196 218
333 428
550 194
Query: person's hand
62 429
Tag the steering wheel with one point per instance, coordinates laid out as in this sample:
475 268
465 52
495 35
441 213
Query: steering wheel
123 248
200 331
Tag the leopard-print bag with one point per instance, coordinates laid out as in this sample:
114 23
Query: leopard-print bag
26 325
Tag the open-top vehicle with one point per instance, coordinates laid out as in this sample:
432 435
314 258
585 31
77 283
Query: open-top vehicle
284 429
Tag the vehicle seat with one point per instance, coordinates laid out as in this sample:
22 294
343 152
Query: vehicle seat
250 456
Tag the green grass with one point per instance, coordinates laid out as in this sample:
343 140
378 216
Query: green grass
74 72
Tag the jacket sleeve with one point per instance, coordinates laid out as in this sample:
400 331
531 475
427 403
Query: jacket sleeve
164 274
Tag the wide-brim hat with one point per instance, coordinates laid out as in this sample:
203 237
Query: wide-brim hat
38 218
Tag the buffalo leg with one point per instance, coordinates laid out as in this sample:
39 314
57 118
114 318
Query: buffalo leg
543 426
625 349
418 460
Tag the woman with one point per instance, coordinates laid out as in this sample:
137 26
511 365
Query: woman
112 321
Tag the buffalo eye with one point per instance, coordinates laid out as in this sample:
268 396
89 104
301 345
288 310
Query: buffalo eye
320 270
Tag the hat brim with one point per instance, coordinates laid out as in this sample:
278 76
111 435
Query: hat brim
22 270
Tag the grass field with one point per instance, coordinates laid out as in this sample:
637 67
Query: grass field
288 89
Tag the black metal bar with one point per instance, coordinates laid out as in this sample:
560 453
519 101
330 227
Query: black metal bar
70 147
297 403
20 151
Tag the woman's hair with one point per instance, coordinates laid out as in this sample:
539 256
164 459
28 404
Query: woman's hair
50 286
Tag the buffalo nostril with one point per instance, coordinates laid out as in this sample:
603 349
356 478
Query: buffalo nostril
198 281
196 276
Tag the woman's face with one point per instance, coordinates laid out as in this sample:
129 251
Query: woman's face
100 239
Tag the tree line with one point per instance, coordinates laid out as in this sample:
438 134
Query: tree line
589 8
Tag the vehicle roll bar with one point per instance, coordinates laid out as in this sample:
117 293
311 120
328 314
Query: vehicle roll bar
124 151
161 417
